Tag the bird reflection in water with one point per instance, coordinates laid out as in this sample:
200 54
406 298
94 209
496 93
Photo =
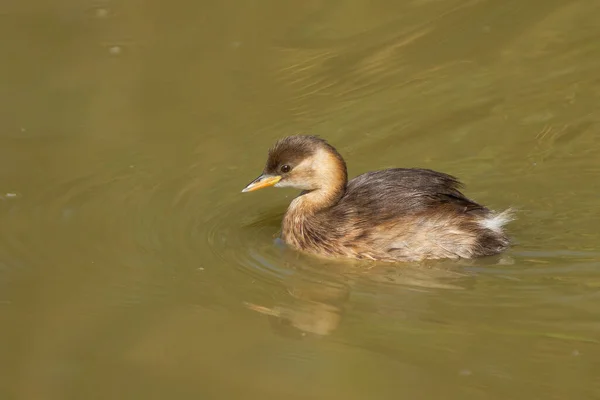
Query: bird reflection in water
316 308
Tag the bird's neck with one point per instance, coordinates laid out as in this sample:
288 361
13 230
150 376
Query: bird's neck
331 184
314 201
302 225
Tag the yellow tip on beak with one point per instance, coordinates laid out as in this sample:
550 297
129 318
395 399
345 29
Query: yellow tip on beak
261 182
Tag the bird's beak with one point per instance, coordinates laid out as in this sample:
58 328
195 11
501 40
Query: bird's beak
262 182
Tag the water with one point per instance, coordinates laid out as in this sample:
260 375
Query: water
131 266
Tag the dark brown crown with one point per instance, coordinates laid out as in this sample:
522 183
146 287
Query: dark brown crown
292 150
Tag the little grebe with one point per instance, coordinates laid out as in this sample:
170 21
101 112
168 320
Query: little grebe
394 214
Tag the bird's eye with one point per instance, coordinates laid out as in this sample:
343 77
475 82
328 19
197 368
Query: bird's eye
285 168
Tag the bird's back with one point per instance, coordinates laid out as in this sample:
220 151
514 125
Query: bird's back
411 214
398 192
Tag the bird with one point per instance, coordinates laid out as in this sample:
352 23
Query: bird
392 215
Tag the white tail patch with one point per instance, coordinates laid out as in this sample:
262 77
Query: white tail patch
496 221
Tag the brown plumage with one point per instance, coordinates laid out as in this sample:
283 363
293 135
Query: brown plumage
394 214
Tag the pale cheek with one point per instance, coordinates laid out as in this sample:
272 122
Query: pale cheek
293 184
